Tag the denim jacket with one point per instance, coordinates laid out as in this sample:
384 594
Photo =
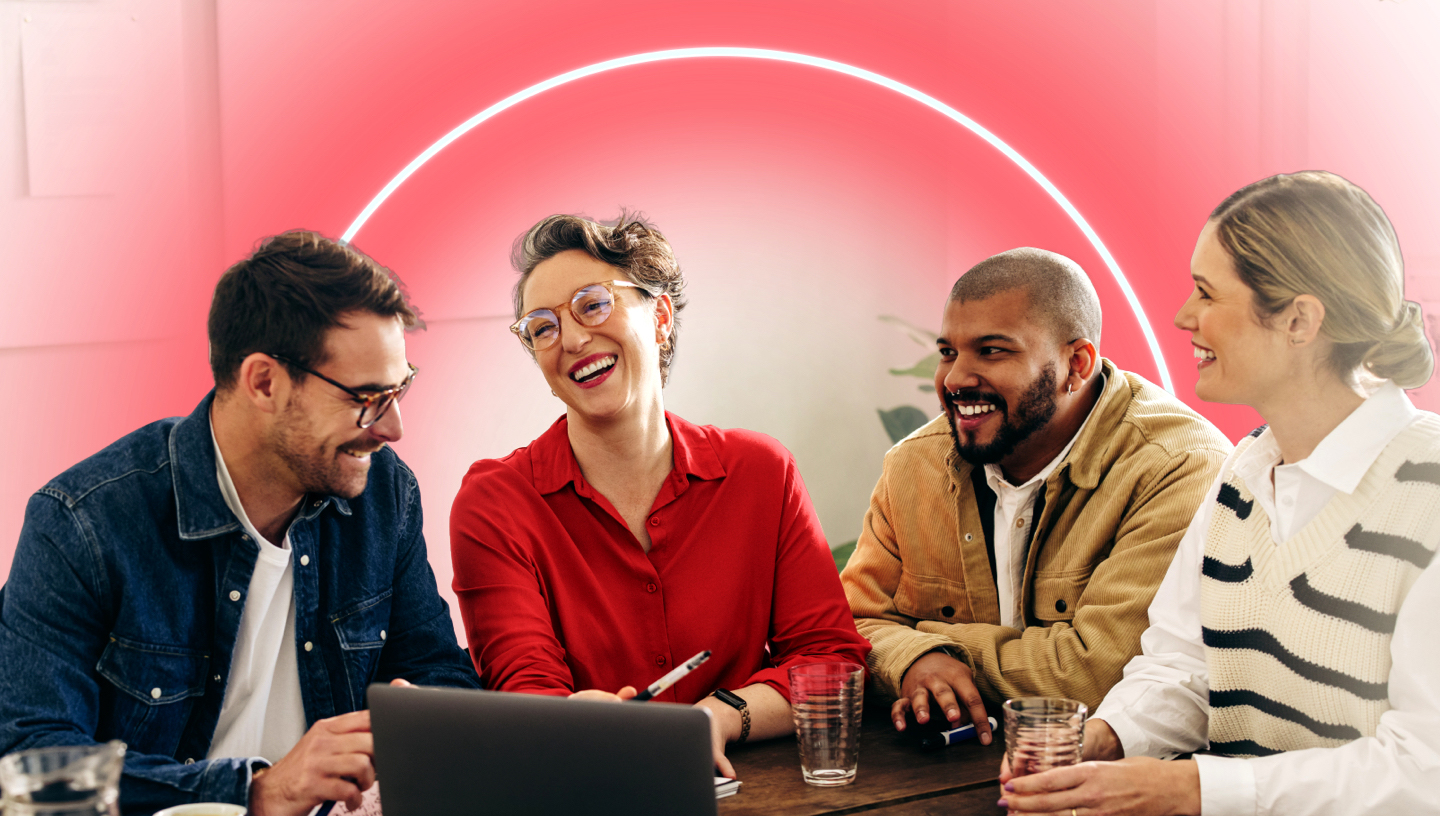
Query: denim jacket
124 599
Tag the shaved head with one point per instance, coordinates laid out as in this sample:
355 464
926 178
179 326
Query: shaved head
1060 293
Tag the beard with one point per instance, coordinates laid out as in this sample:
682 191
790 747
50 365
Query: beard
316 469
1035 408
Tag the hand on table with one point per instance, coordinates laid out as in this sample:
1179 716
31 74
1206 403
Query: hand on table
625 693
949 682
1137 786
332 761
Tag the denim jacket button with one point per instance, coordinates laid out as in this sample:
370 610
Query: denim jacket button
309 646
155 693
304 560
190 760
244 537
382 634
234 594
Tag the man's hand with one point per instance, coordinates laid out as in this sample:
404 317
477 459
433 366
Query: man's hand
332 761
947 680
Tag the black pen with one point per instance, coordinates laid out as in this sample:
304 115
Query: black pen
670 679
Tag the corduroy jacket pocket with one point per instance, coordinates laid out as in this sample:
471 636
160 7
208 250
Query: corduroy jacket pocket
1057 594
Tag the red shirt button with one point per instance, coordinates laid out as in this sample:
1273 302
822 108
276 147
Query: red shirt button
654 522
659 660
650 587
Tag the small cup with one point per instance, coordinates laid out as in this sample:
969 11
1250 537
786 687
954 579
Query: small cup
204 809
826 700
1043 733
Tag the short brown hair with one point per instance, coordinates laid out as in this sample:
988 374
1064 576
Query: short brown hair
631 244
291 290
1316 233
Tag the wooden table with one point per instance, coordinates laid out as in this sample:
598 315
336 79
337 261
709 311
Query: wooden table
895 778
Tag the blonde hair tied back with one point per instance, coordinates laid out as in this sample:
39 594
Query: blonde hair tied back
1404 353
1316 233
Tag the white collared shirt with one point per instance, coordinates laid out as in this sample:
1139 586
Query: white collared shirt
1014 516
262 713
1161 706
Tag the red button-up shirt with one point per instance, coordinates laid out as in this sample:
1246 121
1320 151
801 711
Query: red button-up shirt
557 595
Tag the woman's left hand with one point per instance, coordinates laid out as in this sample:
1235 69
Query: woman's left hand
1137 786
722 730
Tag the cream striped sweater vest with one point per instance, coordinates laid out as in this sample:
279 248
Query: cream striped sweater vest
1297 635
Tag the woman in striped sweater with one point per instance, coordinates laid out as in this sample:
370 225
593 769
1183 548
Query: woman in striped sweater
1290 638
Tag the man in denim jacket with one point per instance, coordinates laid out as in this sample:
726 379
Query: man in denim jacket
218 590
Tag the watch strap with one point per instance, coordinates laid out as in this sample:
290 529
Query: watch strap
738 703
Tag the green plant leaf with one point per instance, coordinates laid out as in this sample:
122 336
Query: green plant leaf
925 369
923 337
899 422
842 554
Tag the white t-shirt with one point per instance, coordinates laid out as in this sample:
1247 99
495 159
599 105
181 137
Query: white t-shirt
263 714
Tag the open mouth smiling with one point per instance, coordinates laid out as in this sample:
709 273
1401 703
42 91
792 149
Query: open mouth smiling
592 368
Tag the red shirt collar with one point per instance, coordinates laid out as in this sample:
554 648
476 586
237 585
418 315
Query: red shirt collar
554 465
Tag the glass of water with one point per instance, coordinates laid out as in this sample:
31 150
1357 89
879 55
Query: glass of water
826 700
68 780
1043 733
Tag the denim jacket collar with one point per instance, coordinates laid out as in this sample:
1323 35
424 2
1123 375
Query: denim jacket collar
200 508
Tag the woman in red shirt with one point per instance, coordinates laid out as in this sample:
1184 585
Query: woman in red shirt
624 539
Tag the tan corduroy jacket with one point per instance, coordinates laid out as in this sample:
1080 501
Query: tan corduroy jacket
1114 512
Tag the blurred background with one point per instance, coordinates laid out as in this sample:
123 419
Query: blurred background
145 145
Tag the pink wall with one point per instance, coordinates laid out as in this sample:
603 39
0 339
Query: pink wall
804 204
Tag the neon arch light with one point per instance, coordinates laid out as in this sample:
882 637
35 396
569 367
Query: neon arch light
799 59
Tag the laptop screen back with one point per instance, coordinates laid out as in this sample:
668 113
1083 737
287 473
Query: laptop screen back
453 751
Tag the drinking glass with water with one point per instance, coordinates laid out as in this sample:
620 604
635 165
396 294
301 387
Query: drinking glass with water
1043 733
67 780
826 701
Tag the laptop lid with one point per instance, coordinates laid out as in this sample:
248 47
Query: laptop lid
457 751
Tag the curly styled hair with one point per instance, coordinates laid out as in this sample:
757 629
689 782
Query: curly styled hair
630 244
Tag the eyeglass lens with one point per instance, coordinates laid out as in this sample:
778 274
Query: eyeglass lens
374 410
590 307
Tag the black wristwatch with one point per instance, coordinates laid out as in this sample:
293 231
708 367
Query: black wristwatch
738 703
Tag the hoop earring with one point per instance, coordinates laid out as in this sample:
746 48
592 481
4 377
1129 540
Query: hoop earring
1068 389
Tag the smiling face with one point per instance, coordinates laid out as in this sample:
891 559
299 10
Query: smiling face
1240 359
998 376
600 372
314 436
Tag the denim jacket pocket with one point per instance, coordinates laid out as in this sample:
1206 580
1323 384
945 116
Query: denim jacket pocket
155 687
361 629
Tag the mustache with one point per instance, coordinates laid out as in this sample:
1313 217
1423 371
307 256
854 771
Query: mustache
954 398
362 450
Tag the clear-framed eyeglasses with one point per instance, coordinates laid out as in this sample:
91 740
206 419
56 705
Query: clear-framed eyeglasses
591 305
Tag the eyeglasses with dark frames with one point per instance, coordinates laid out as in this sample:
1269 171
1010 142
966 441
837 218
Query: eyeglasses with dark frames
591 305
373 404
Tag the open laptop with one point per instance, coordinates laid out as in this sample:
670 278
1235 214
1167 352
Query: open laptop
454 751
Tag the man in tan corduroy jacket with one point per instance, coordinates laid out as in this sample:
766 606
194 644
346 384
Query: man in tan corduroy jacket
1013 544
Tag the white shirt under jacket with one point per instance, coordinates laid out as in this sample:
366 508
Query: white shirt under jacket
262 713
1161 707
1014 516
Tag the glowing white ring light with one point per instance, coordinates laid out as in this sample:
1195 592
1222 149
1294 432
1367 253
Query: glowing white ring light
800 59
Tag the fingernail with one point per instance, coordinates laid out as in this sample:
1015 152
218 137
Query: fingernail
984 739
1009 787
1002 803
